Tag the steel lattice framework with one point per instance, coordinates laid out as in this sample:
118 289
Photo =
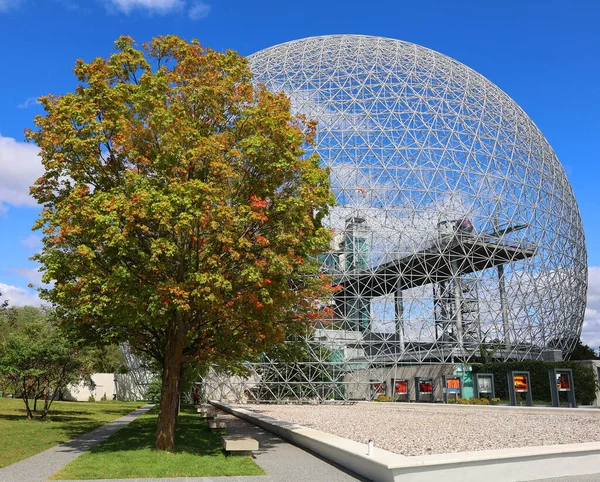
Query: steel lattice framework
457 232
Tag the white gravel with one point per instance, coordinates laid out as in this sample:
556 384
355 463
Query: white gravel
417 430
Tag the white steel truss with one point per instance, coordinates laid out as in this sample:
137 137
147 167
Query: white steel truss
457 234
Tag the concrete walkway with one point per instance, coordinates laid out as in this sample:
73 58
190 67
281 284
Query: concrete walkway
43 465
574 478
281 461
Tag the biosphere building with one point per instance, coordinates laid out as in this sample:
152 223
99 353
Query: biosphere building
457 234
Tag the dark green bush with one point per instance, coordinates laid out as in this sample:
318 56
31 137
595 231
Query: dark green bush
153 390
584 379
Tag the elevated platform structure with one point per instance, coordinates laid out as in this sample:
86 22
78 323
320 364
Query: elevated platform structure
448 257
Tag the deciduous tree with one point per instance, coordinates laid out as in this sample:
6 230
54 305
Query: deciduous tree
180 210
39 361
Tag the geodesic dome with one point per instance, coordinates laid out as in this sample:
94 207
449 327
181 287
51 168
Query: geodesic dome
456 229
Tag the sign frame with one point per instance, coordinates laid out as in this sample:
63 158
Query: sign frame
395 395
446 390
512 391
477 392
554 373
375 393
418 393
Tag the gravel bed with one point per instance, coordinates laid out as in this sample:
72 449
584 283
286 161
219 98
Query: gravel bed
413 430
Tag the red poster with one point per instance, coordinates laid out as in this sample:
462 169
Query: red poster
401 387
379 387
425 387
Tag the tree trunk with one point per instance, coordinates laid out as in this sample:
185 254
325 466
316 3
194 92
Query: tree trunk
26 399
165 430
179 385
37 389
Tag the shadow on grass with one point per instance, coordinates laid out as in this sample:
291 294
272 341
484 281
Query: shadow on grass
69 423
192 435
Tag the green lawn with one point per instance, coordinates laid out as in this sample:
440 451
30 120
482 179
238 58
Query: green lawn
130 454
22 438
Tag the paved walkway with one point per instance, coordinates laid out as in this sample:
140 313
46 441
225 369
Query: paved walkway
283 462
43 465
574 478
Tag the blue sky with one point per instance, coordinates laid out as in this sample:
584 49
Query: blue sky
544 53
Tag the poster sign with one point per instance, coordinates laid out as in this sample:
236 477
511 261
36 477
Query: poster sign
452 385
401 387
484 384
520 382
379 388
562 382
425 387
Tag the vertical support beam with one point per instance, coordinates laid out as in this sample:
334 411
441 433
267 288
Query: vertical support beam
399 314
457 304
504 306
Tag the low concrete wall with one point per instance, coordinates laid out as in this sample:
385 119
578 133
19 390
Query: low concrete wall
347 453
525 463
358 382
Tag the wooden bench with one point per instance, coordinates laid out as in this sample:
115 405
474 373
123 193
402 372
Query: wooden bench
239 444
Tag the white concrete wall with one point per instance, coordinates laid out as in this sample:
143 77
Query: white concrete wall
104 384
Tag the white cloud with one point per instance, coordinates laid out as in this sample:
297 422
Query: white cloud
6 5
19 296
591 325
156 6
20 166
199 10
32 275
29 102
31 241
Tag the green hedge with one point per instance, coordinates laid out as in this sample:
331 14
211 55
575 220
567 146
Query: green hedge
584 377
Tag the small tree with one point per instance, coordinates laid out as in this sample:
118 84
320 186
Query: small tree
180 209
39 362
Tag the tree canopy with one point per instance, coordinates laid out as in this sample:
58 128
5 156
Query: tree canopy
180 210
582 352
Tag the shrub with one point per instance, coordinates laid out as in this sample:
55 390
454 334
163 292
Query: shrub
104 398
91 398
471 401
153 390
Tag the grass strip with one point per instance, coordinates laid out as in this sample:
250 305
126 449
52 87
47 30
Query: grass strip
22 438
130 453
